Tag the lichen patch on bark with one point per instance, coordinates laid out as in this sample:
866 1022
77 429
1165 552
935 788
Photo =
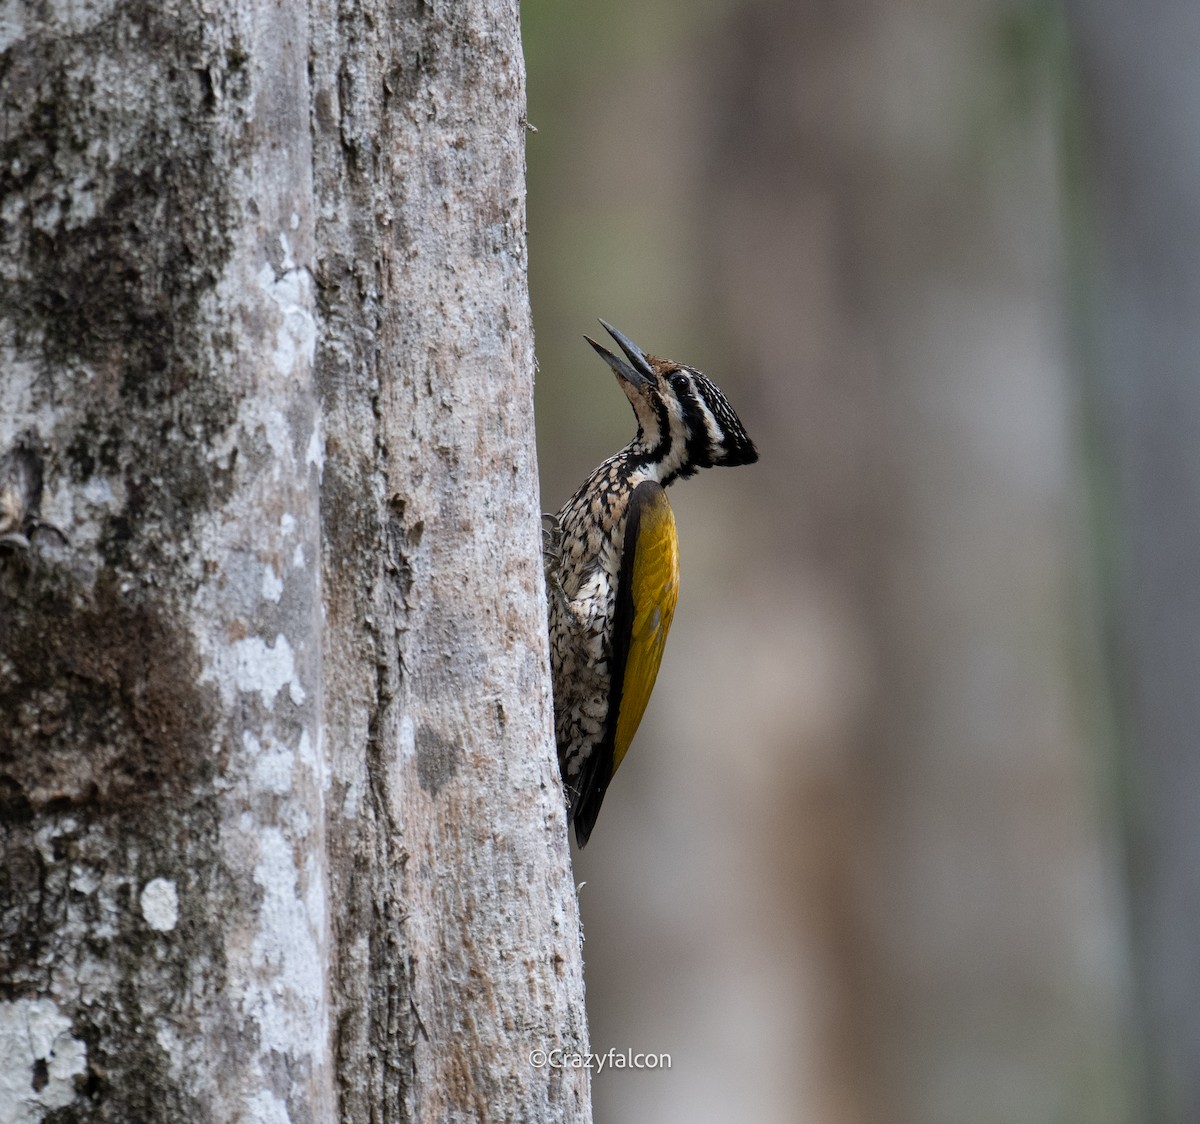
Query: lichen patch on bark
39 1060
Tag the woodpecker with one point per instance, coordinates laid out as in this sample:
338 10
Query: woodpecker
612 564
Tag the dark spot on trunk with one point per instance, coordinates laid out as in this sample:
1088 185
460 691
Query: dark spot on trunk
41 1075
438 760
99 696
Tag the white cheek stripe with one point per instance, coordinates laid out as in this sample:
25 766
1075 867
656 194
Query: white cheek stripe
678 450
713 431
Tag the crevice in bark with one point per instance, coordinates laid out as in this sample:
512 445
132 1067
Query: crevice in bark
393 1029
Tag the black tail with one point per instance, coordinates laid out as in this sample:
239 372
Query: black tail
593 784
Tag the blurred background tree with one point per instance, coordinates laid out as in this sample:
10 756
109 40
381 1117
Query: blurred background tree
1140 78
866 861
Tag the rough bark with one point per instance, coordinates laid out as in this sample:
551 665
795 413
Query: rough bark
283 838
1141 90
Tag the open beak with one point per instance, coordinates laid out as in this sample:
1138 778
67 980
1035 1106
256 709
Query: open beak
640 371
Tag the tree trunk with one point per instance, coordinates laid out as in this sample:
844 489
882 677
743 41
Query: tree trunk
283 834
1140 96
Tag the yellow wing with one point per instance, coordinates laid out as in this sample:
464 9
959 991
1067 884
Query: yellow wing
647 588
652 590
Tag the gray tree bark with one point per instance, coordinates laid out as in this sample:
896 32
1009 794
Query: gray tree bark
282 830
1141 94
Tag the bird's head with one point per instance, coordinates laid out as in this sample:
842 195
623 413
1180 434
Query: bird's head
684 421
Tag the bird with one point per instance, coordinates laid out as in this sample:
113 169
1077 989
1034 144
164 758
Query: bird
612 567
